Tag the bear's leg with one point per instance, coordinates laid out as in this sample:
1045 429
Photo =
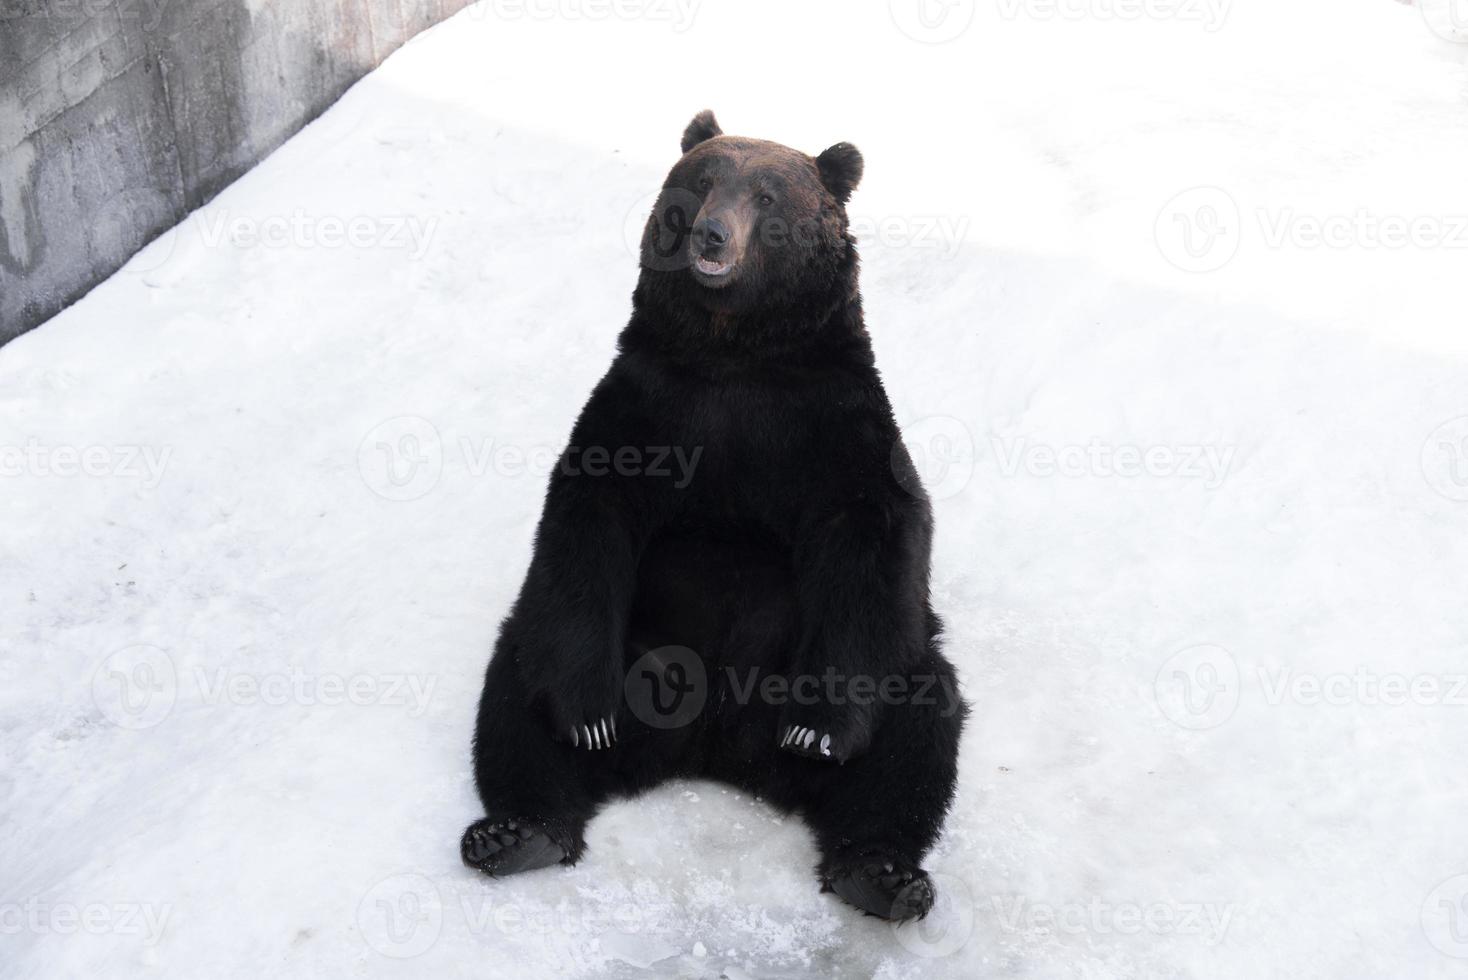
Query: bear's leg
877 815
538 793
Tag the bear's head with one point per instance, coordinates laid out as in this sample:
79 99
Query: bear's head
746 226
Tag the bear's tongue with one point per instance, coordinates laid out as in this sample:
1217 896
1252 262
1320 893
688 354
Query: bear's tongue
710 267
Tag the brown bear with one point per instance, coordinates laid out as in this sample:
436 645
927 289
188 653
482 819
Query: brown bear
760 614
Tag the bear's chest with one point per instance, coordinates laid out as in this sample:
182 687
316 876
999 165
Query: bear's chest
753 432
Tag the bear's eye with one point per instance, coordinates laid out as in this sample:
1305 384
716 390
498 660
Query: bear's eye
704 183
766 200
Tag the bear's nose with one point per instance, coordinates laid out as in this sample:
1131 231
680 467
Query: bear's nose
710 233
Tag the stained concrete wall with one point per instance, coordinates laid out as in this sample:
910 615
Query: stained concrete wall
119 117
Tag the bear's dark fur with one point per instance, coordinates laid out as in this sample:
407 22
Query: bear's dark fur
788 543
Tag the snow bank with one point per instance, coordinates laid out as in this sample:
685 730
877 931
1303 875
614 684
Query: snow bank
1202 488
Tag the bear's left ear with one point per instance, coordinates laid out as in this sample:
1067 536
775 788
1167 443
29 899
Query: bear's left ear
840 167
703 127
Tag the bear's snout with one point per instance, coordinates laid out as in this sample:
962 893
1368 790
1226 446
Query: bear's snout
713 248
710 235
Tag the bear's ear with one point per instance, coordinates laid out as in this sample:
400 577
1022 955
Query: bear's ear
703 127
840 167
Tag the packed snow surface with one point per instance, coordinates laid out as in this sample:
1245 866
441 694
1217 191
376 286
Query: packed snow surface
1169 297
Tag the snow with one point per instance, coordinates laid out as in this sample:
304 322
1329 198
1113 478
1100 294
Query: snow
1201 513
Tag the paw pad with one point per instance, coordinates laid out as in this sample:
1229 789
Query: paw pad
890 889
505 847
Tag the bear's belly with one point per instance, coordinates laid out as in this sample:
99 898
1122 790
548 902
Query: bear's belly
728 596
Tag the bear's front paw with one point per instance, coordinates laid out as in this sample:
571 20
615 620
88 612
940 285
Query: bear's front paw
821 738
804 740
584 712
827 731
599 734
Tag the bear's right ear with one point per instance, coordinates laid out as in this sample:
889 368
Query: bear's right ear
703 127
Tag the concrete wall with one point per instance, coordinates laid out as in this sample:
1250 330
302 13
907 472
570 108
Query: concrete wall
118 117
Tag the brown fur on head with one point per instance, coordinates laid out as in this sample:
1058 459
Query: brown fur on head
747 220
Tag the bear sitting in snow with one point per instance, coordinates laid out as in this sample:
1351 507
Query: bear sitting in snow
756 612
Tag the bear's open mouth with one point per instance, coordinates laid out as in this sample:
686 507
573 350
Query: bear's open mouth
713 268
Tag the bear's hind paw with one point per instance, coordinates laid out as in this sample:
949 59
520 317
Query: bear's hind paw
888 888
506 847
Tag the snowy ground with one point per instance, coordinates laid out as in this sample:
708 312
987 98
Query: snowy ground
1202 506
